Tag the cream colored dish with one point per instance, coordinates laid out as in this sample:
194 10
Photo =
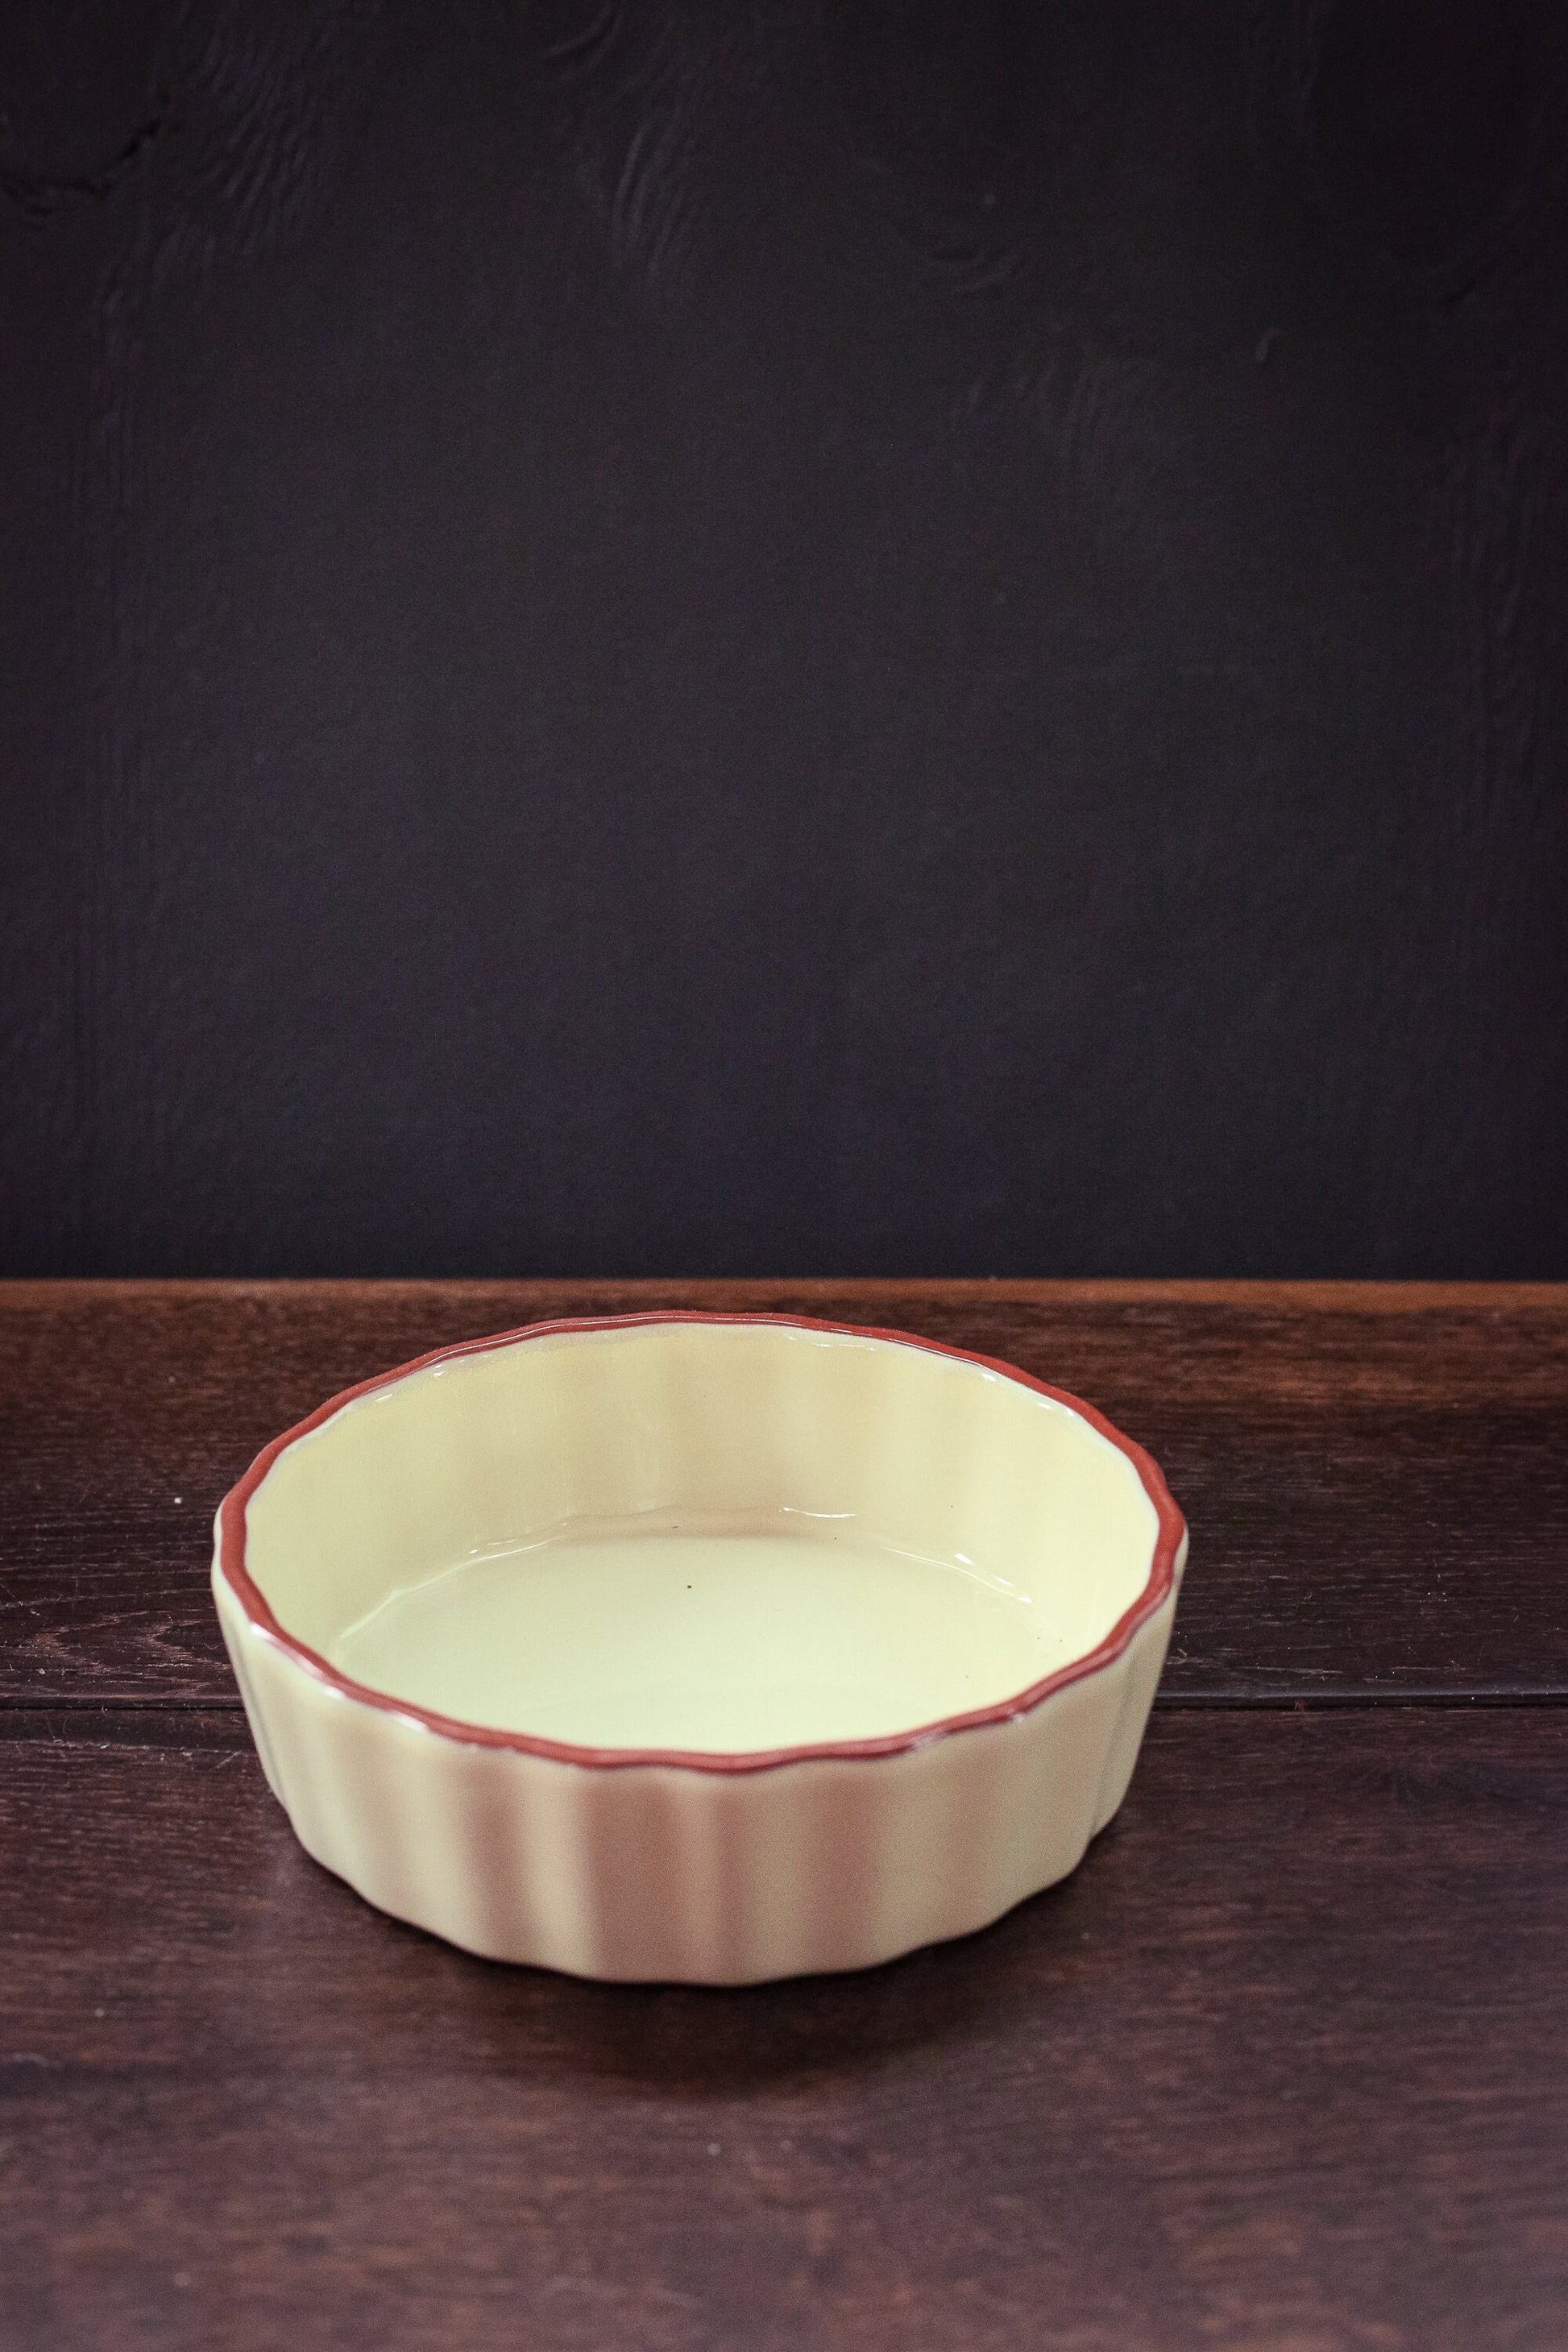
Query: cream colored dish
698 1648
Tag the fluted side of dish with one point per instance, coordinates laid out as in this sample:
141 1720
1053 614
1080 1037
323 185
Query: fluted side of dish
670 1874
711 1862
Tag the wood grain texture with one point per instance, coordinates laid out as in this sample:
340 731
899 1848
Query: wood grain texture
1285 2064
1376 1480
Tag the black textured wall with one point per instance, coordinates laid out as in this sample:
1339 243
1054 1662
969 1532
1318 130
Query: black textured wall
681 638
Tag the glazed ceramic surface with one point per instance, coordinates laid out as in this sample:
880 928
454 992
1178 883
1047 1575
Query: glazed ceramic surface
698 1648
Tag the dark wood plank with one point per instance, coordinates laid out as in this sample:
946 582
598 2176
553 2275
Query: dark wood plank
1376 1477
1285 2064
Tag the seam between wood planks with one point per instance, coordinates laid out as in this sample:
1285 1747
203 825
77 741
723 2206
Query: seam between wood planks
1281 1702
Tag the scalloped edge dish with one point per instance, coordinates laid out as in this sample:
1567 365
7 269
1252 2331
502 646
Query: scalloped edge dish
690 1859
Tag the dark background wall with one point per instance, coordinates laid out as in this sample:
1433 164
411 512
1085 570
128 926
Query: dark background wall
683 637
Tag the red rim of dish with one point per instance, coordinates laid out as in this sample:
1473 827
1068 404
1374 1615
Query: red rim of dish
230 1564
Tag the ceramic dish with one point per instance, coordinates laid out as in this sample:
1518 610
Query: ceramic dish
698 1648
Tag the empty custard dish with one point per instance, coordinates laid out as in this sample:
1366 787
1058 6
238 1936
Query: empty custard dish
698 1648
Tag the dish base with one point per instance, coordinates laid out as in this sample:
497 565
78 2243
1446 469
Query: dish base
756 1637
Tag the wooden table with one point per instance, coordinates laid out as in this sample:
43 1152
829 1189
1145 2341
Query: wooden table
1282 2065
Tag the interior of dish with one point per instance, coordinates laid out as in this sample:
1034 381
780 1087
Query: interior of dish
701 1535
